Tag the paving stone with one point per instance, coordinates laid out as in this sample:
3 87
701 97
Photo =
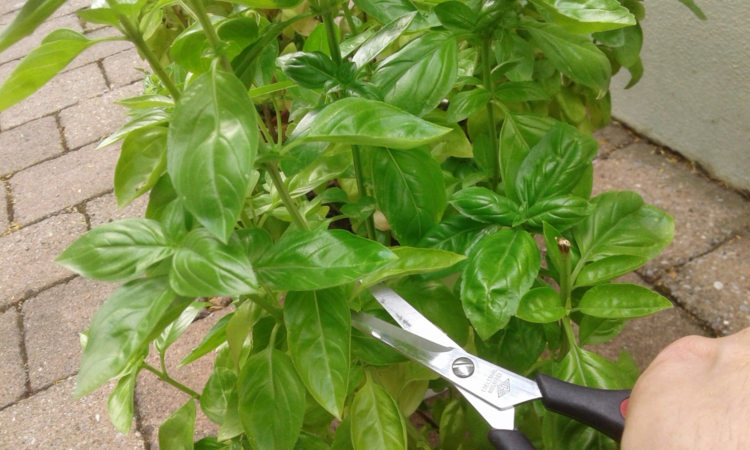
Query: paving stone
27 256
7 68
101 50
122 69
7 6
104 209
705 214
96 118
612 137
645 337
157 400
29 144
52 322
62 91
12 375
67 181
71 6
716 287
27 44
4 221
53 419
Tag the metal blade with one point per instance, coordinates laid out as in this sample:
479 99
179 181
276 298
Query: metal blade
494 385
414 322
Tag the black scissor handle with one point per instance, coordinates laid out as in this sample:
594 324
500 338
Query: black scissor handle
509 440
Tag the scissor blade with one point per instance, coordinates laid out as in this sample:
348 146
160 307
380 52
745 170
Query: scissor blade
492 384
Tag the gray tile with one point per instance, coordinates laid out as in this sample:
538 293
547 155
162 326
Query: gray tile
29 144
12 374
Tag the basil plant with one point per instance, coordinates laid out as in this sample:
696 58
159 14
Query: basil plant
296 152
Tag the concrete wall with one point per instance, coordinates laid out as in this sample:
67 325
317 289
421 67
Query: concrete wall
694 96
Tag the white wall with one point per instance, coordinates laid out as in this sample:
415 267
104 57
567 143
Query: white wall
694 96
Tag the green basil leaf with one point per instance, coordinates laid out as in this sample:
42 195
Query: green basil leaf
175 329
382 39
621 224
550 242
120 402
216 336
103 16
307 260
608 269
628 54
412 261
516 347
218 388
377 423
32 14
143 159
588 16
309 70
231 425
165 207
309 441
354 42
386 11
256 242
520 132
360 210
502 267
149 117
119 330
358 121
621 301
321 171
562 212
694 8
213 139
271 400
466 103
574 55
304 153
483 205
342 439
555 165
209 443
595 330
58 49
176 433
117 251
420 75
205 267
409 188
456 17
239 330
269 4
189 48
520 91
318 327
453 426
514 51
318 40
373 351
541 305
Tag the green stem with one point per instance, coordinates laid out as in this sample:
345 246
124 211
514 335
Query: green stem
272 341
271 306
285 197
208 28
487 74
333 42
135 37
164 377
370 220
279 125
350 19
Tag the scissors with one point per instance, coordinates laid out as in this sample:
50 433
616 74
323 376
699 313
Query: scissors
491 389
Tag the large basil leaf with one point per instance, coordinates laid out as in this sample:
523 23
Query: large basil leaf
205 267
453 424
358 121
502 267
214 398
595 330
33 13
152 116
555 164
483 205
318 329
175 329
239 330
456 17
541 305
120 402
574 55
410 191
588 16
271 400
192 50
306 260
520 91
386 11
376 421
309 70
412 261
117 251
176 433
142 161
382 39
621 301
213 139
466 103
562 212
58 49
119 329
420 75
516 347
621 224
608 269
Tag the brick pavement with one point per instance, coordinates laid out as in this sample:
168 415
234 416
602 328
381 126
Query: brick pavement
55 187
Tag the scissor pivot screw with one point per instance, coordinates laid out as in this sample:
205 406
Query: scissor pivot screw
463 367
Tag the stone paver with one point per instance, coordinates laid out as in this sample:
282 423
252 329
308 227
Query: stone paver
612 137
62 182
101 50
122 69
716 286
95 118
645 337
104 209
12 376
53 419
4 220
27 256
29 144
7 6
705 214
71 6
157 400
52 322
27 44
64 90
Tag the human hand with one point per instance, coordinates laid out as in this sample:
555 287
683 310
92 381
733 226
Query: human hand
695 395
